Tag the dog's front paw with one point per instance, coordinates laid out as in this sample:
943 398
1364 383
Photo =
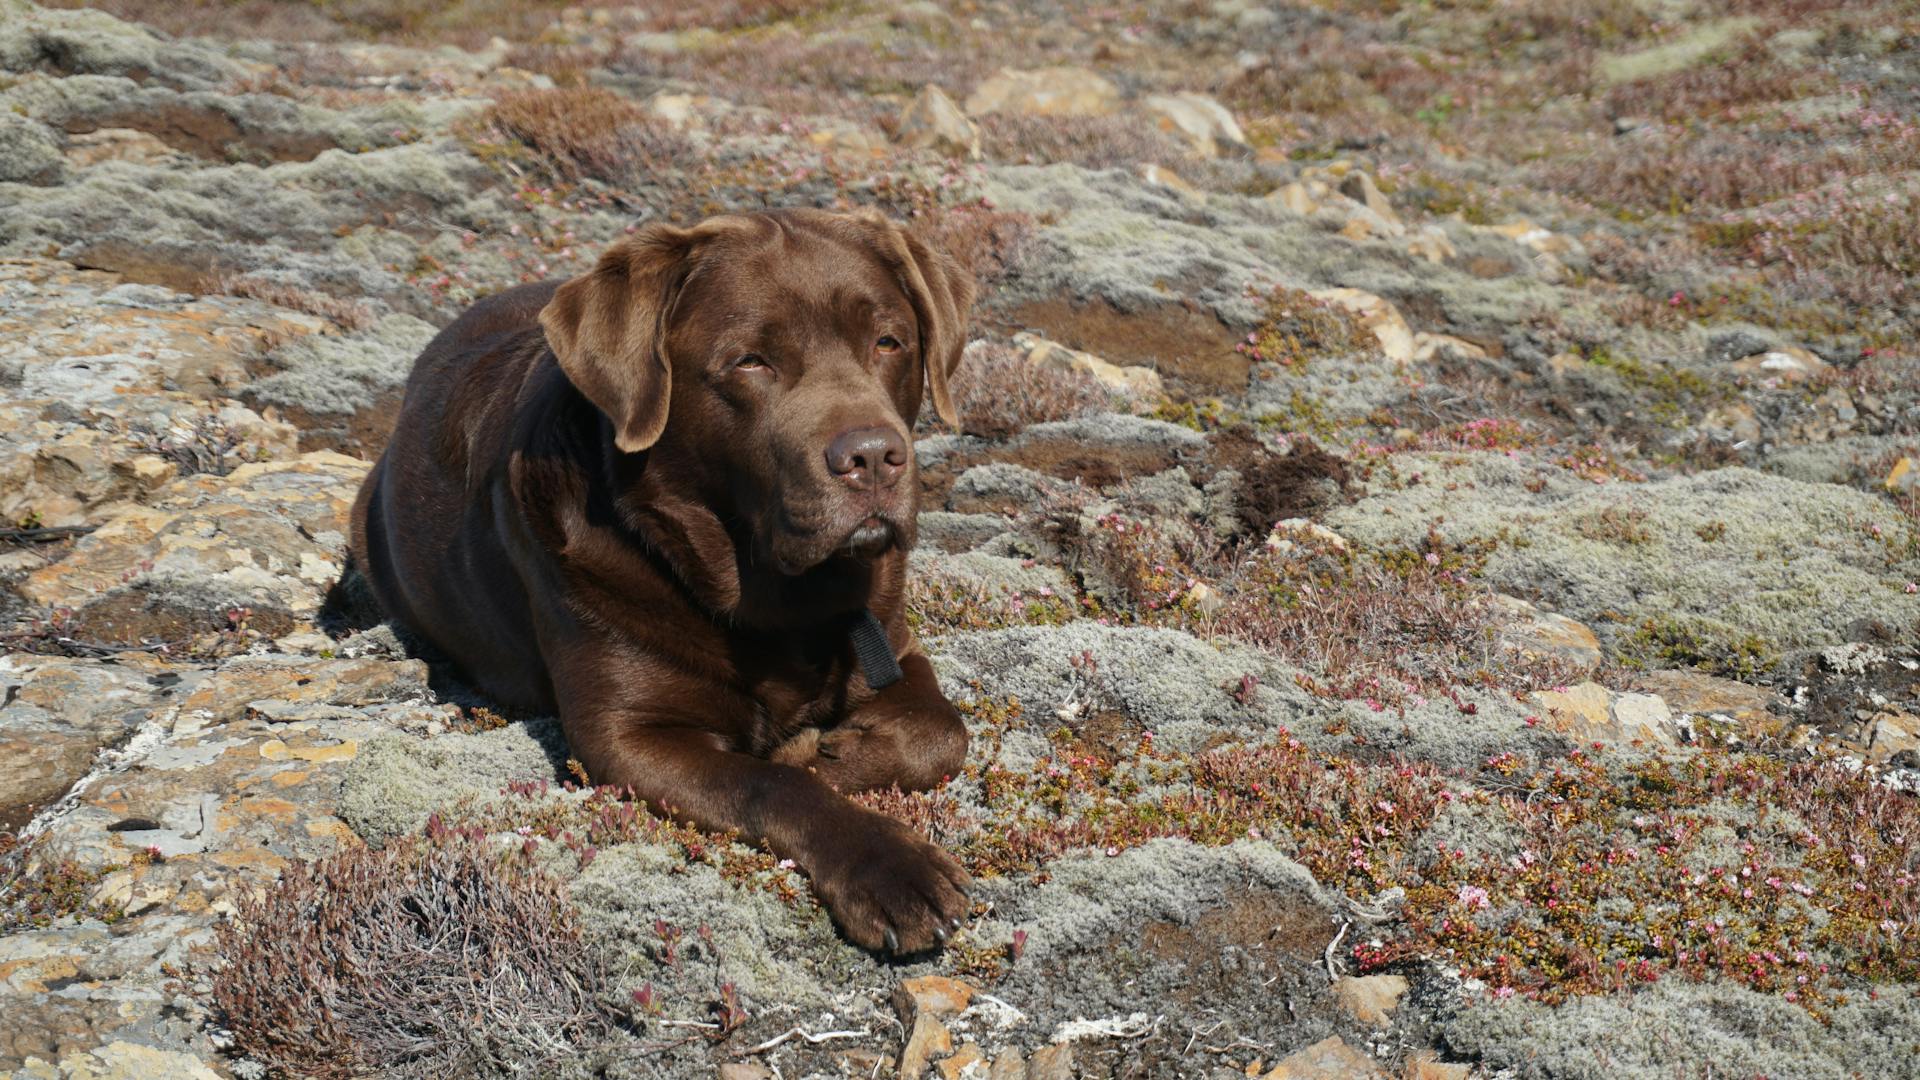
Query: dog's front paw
890 889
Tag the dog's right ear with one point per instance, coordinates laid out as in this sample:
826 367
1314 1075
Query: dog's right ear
608 329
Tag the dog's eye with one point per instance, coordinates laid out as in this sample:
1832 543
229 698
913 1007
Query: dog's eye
888 344
750 362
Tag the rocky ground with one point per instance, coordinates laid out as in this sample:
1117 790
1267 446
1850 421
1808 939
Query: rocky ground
1430 561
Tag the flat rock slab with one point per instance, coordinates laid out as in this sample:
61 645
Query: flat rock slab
269 537
58 714
214 798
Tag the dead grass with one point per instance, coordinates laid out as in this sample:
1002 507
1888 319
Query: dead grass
576 133
420 960
344 313
999 393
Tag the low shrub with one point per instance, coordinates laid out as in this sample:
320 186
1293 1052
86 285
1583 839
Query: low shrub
429 958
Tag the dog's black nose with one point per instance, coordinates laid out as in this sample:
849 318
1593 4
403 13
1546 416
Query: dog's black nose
868 457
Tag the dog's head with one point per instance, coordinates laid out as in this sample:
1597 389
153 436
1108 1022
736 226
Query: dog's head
776 364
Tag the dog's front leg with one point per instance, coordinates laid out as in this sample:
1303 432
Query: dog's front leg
908 735
886 886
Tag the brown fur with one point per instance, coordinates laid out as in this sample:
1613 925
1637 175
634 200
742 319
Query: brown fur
592 509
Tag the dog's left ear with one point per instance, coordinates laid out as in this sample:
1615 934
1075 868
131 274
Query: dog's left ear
607 327
941 291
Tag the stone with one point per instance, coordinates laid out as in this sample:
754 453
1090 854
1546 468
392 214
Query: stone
931 121
116 144
1206 127
245 683
745 1070
1430 242
1421 1066
1589 712
58 714
269 537
1008 1066
847 137
1736 422
1695 693
1547 635
1891 733
966 1062
1358 185
1370 999
1790 364
1138 383
927 1041
1052 91
1426 346
1377 315
685 112
1286 534
1329 1059
931 995
121 1060
1904 477
1053 1062
1159 176
1294 197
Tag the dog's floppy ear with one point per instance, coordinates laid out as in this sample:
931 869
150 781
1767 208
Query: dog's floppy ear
942 294
608 329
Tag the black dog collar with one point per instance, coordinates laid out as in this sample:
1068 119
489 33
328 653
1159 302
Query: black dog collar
874 651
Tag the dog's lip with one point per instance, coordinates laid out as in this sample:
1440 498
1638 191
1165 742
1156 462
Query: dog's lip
870 537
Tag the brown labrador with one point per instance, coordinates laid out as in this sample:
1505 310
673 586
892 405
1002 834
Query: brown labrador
661 498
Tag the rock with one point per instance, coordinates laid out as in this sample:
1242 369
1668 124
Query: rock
847 137
1421 1066
1695 693
1549 248
269 537
1546 634
1286 534
1051 1063
1735 422
1053 91
1891 733
122 1060
1791 364
686 112
931 121
1138 383
1377 315
1904 477
59 712
288 683
1590 713
1294 197
1426 346
116 144
1205 125
1008 1066
1370 999
965 1062
931 995
1358 185
927 1041
1329 1059
1172 181
1430 242
744 1070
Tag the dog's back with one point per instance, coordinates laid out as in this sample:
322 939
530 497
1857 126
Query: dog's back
418 554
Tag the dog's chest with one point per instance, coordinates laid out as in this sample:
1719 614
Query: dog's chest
797 687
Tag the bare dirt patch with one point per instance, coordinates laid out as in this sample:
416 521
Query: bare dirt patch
1186 344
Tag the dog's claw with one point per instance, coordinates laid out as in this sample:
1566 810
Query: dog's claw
941 933
893 941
